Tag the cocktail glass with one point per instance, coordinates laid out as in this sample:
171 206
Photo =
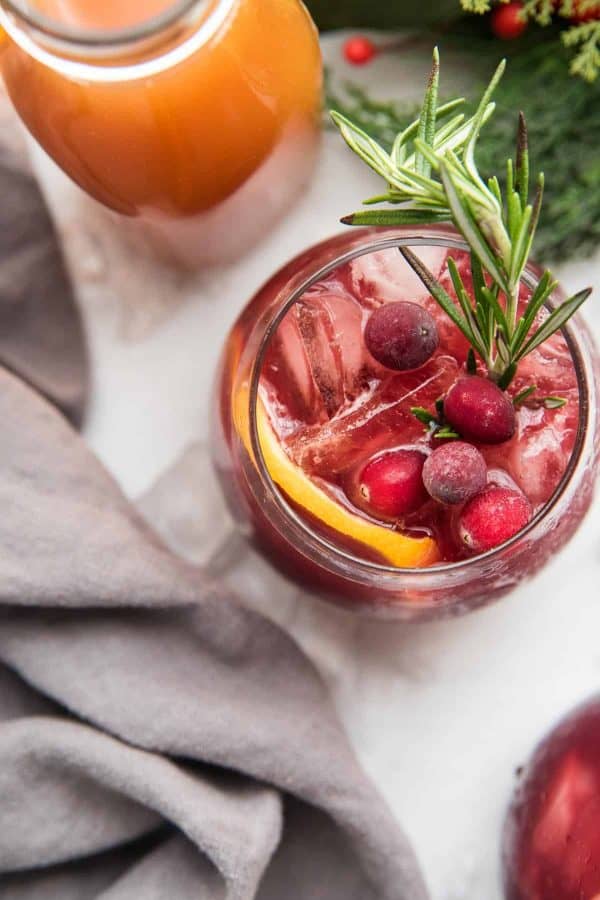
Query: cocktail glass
309 550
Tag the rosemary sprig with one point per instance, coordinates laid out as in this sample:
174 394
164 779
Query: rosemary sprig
564 129
431 174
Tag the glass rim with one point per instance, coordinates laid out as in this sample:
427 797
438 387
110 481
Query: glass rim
101 51
425 238
99 37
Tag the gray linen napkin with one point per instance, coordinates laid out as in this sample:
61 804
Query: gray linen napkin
157 739
40 331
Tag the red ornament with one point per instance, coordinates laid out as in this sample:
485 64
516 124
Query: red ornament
359 50
551 844
507 21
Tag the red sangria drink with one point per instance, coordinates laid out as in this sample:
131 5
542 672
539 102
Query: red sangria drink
408 417
371 460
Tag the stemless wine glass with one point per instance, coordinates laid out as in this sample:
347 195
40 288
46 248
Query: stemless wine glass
316 560
198 117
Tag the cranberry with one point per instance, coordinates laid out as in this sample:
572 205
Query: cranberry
401 335
507 21
480 411
359 50
454 473
492 517
391 484
551 847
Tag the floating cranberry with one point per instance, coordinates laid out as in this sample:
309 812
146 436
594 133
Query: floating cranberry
492 517
454 473
508 21
480 411
359 50
391 484
401 335
551 847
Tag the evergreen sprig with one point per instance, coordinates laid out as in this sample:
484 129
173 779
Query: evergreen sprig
432 175
584 37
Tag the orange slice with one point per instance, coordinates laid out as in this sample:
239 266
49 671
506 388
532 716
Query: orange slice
397 549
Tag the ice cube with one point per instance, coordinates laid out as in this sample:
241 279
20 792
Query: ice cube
537 456
317 363
539 453
385 274
545 441
379 419
550 367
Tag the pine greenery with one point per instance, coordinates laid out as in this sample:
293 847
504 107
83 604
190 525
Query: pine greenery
582 38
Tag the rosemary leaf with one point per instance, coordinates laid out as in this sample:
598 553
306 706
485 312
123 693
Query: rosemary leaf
426 130
395 217
524 394
544 288
537 204
491 298
522 165
477 276
521 246
398 153
478 120
507 376
510 180
554 402
555 320
485 324
440 295
423 415
362 144
445 433
469 227
514 214
494 186
468 312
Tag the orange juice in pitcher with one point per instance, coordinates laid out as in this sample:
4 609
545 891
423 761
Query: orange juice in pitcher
198 118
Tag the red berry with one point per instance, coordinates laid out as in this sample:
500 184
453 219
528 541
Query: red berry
454 473
391 484
508 21
580 16
401 335
359 50
492 517
551 847
480 411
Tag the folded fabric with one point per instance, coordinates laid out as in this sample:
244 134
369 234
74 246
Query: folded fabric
41 335
157 739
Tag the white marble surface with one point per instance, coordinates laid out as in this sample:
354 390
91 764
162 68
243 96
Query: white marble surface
440 715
